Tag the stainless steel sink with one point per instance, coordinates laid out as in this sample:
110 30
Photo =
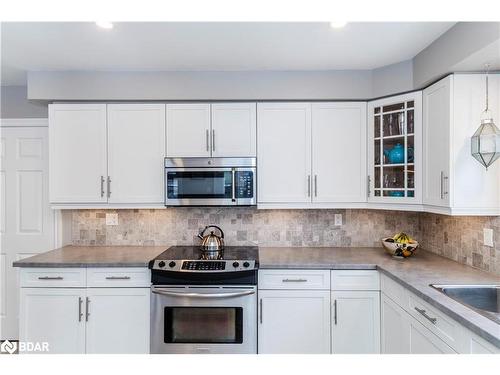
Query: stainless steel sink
485 299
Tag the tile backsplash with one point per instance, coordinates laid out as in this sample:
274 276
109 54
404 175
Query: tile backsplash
457 238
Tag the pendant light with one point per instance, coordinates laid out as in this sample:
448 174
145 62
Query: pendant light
485 143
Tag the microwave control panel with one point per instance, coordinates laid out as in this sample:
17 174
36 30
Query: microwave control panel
244 184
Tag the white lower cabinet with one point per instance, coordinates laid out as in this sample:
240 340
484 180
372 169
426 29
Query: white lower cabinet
53 316
81 319
294 321
355 322
118 320
403 334
395 336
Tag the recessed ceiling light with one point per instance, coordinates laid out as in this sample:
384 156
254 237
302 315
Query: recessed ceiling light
337 24
104 24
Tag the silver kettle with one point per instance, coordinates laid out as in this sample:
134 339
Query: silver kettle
211 242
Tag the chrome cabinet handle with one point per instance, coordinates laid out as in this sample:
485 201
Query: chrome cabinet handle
117 277
308 185
109 186
202 295
368 183
87 309
335 312
315 185
213 139
424 314
80 313
444 179
233 185
50 278
207 139
261 310
102 186
294 280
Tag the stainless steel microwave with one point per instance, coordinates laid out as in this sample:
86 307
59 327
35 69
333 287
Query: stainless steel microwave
210 181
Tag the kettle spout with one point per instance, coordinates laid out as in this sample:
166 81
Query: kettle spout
199 236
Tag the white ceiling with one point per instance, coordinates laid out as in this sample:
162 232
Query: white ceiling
162 46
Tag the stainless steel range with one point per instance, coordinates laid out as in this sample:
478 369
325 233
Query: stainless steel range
204 305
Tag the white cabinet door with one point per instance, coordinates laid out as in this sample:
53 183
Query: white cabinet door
395 330
339 152
136 150
284 152
395 149
423 341
188 130
355 322
55 316
294 321
77 153
118 320
234 130
436 142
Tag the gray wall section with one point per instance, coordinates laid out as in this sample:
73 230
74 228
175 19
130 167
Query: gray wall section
258 85
392 79
454 46
14 104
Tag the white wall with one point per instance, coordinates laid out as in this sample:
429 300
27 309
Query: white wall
392 79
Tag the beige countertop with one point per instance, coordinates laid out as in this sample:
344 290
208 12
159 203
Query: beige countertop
415 273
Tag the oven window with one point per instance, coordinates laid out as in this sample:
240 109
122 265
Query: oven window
204 184
204 325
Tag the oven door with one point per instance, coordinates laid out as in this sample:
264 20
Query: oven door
203 319
210 186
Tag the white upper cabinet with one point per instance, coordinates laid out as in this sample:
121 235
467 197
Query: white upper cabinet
339 152
77 153
284 152
395 149
188 130
455 183
136 149
436 134
234 130
217 130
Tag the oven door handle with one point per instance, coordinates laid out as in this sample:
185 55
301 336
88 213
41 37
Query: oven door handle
202 295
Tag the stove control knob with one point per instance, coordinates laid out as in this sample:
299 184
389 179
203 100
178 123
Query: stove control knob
171 264
161 264
246 264
236 264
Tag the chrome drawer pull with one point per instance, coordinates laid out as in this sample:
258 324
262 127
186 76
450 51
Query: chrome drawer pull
424 314
335 311
80 314
87 309
117 277
294 280
50 278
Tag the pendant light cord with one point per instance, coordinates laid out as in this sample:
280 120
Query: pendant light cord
487 72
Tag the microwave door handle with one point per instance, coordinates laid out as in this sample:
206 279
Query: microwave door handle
233 185
202 295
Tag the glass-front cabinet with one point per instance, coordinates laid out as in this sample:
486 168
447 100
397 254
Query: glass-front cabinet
395 149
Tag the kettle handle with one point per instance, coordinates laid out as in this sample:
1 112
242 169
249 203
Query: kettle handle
211 226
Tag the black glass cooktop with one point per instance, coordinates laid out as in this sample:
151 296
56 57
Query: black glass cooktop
194 253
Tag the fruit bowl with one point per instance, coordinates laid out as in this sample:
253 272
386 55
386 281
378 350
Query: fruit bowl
399 249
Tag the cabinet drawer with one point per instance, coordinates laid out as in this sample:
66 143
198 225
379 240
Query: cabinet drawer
52 277
442 326
294 279
355 280
118 277
394 291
